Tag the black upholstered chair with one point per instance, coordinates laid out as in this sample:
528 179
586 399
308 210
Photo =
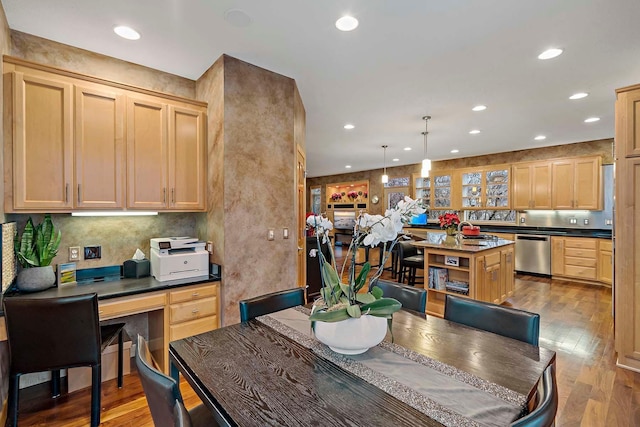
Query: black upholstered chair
544 414
509 322
269 303
410 297
410 261
162 392
49 334
181 416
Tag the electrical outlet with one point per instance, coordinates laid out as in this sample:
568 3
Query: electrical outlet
271 234
92 252
74 253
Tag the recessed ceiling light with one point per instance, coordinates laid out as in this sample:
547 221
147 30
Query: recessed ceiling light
126 32
349 126
237 18
550 53
474 132
347 23
579 95
347 166
591 119
540 137
407 148
454 151
479 108
395 160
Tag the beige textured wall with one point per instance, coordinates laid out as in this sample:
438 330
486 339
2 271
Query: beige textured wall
44 51
589 148
255 152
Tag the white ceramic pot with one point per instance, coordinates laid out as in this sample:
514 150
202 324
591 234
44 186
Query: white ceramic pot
35 279
352 336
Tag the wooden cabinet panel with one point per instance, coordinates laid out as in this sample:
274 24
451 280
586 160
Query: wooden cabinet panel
580 272
193 293
193 327
147 154
522 178
557 256
576 183
42 143
579 252
532 186
192 310
562 191
605 262
508 280
126 305
628 113
99 149
187 162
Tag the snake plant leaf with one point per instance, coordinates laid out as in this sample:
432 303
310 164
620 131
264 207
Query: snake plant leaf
377 292
47 241
362 277
365 298
25 246
329 316
354 311
383 307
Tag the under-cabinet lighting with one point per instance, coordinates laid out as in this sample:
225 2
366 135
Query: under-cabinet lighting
114 213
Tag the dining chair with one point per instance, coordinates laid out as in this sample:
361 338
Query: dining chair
410 297
544 414
269 303
181 415
162 393
410 261
506 321
49 334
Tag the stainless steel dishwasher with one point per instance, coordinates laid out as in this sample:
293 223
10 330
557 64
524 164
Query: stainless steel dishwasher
533 253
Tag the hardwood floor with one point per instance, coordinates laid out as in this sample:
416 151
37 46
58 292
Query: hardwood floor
576 323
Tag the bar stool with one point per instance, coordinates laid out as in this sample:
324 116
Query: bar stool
410 262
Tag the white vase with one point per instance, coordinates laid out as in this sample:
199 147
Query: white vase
352 336
35 279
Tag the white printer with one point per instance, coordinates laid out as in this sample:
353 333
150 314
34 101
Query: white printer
178 258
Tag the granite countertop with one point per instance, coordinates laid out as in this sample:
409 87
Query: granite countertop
112 289
550 231
436 240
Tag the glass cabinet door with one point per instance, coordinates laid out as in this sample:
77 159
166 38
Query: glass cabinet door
442 191
422 190
472 189
497 184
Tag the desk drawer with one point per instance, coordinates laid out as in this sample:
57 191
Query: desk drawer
580 253
582 272
127 305
194 293
581 262
584 243
606 245
192 327
193 310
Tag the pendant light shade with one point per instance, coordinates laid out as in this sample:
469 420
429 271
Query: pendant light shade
385 177
426 163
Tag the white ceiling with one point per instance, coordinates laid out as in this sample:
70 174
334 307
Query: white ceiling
407 58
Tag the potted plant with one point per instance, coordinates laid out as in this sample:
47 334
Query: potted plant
35 249
347 320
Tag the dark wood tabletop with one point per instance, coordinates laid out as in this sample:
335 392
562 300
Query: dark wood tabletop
249 374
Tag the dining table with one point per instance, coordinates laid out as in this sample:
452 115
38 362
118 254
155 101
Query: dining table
428 371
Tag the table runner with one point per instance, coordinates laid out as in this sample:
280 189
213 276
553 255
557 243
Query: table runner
442 392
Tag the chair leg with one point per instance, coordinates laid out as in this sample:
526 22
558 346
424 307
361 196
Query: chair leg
55 383
120 344
412 276
12 406
96 384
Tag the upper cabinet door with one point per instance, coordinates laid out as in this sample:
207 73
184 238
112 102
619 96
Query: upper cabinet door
187 163
588 185
442 190
99 149
628 114
522 178
42 143
562 192
147 154
541 185
497 185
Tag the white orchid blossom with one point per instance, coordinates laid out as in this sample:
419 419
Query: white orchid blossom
322 226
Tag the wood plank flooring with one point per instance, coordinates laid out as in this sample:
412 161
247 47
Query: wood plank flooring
576 323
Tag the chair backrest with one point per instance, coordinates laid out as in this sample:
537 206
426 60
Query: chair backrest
544 414
181 416
161 390
509 322
269 303
46 334
410 297
406 249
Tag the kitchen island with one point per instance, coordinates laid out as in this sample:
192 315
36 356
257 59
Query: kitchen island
478 269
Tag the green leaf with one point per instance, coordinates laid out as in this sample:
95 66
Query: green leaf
354 311
365 298
330 316
377 292
383 307
330 275
25 246
362 277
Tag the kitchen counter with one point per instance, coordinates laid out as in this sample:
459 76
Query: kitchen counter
436 241
551 231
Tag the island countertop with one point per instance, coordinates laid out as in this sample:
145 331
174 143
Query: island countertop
436 241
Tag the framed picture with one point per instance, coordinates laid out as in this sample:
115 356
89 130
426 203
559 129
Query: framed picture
66 274
452 260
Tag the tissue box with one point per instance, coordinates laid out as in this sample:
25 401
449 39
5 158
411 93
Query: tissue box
136 268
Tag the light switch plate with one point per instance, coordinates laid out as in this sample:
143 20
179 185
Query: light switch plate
271 234
285 233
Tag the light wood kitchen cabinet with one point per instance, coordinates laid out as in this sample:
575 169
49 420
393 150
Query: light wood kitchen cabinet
575 258
531 186
507 283
42 143
193 311
605 261
576 183
436 191
485 188
628 122
557 256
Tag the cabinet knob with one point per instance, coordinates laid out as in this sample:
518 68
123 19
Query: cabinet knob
195 294
195 311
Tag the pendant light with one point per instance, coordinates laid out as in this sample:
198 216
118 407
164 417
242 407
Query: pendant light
385 177
426 163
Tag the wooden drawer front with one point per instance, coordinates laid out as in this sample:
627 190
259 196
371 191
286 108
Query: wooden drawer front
122 306
606 245
580 253
492 259
582 272
193 310
193 327
193 293
581 262
580 243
